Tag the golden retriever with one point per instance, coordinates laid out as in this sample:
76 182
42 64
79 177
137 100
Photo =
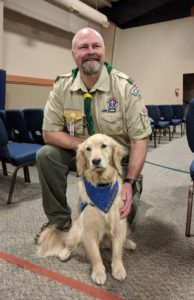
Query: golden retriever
99 223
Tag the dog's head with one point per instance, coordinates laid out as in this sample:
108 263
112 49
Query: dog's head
99 152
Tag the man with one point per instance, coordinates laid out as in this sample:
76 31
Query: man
92 98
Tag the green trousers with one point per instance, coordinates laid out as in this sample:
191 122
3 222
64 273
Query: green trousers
53 165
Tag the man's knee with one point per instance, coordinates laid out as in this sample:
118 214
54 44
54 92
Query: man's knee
47 152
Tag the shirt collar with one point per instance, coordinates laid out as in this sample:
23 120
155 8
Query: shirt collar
102 84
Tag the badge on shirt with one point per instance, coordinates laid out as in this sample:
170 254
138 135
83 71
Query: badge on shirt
111 104
134 90
71 116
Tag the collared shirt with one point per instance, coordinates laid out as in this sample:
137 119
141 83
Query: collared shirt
117 106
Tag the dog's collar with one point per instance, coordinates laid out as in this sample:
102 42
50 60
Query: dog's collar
102 196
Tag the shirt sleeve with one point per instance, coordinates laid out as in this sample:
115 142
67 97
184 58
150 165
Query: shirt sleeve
53 111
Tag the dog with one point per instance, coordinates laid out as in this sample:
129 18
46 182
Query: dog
98 223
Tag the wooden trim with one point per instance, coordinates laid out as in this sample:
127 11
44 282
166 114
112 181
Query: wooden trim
192 11
28 80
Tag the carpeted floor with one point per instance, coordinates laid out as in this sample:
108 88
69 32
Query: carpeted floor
161 268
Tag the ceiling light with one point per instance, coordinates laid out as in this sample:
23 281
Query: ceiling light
82 10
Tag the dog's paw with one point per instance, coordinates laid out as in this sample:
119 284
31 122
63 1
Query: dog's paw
64 254
129 245
99 274
118 271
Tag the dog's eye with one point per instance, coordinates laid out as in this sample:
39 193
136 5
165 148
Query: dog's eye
88 149
103 146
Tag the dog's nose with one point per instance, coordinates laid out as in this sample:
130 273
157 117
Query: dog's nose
96 161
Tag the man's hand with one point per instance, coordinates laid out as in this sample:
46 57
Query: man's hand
126 196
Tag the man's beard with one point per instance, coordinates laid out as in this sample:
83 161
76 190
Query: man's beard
91 67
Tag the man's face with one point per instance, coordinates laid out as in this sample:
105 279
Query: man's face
89 52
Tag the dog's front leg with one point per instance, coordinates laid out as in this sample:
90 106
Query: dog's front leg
93 251
118 270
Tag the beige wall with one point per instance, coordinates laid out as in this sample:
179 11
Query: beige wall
157 56
26 96
35 49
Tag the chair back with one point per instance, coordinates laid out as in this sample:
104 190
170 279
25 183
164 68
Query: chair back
153 112
34 120
178 111
190 125
4 152
4 119
17 124
3 135
166 112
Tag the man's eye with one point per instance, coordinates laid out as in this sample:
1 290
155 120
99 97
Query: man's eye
103 146
88 149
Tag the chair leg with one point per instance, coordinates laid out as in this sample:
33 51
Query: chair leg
189 209
27 179
181 129
155 135
169 133
12 184
160 131
26 174
4 167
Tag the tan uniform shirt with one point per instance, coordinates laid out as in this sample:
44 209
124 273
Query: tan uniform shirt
117 106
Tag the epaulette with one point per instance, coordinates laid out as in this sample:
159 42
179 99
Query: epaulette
63 76
123 76
130 80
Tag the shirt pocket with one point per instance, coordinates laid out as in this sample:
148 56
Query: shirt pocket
145 120
112 123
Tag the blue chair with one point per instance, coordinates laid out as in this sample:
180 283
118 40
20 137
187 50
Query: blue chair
34 119
179 113
155 117
167 114
20 155
190 139
17 125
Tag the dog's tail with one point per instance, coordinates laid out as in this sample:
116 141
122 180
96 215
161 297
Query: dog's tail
51 241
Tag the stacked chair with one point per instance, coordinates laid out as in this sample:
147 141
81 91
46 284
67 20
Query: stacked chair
34 119
178 113
17 125
157 123
18 145
190 138
168 115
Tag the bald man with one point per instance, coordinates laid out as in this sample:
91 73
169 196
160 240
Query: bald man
115 108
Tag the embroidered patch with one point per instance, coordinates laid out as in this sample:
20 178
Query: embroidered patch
112 104
134 90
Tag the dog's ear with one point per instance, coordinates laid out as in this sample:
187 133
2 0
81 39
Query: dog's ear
80 160
118 154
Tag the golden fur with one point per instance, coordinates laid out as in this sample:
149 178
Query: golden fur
98 159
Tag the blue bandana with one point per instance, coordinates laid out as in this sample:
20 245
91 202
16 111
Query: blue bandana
102 196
